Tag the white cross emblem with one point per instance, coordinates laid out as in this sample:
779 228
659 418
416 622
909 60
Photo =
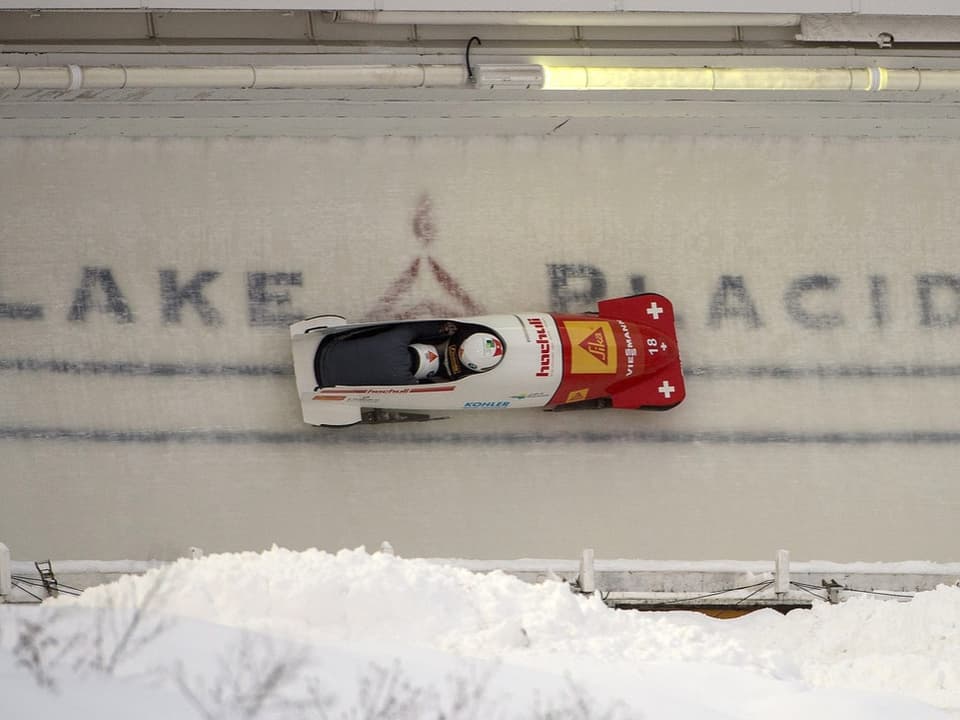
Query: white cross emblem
654 310
667 389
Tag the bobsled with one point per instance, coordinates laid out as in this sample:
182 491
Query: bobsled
624 355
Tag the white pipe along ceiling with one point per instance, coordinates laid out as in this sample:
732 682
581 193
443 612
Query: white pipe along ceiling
530 76
582 19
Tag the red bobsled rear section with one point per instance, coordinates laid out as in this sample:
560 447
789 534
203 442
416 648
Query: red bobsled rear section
627 352
662 387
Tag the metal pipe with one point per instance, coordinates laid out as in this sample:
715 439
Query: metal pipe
5 579
581 19
870 79
74 77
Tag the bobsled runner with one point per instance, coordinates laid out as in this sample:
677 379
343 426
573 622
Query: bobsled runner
624 355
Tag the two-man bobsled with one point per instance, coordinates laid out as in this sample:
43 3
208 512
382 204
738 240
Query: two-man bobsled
623 356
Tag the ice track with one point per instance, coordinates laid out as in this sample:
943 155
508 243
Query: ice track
148 403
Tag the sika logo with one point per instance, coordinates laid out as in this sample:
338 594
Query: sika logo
596 344
592 347
543 340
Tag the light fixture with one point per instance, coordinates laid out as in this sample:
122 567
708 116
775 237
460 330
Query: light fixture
867 79
708 78
509 76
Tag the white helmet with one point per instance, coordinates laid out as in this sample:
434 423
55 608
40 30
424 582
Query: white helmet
481 351
426 360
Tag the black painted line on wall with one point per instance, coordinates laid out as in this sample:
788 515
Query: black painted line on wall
823 371
383 436
122 367
171 369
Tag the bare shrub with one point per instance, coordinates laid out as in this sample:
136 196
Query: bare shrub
33 649
45 642
385 694
468 697
250 679
576 704
123 627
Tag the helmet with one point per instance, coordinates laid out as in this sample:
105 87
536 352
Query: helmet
426 360
481 351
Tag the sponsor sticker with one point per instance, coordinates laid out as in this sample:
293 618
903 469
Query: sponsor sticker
578 395
545 367
389 390
488 404
630 352
593 350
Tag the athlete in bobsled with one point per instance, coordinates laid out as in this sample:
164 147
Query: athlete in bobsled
465 351
406 353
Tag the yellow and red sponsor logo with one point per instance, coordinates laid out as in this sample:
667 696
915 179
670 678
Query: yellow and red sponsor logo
593 348
578 395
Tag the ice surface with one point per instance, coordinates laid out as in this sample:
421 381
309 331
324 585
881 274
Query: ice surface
145 367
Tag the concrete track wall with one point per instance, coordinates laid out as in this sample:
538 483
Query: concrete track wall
147 402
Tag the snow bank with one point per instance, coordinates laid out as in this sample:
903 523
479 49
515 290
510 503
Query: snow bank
353 611
352 596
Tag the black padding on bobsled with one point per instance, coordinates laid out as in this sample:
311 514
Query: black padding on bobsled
371 358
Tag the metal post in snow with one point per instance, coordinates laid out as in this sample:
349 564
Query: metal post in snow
6 583
586 579
781 576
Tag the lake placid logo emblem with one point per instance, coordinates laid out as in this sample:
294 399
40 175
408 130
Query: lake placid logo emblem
424 289
591 347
